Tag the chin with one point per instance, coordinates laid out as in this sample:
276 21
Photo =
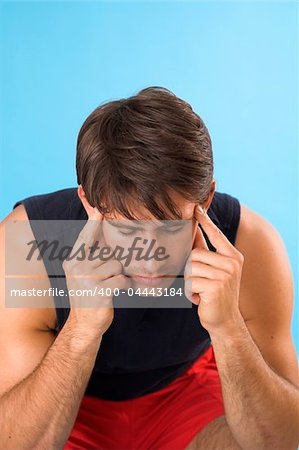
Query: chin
148 286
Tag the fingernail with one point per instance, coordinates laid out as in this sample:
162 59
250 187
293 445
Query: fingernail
201 209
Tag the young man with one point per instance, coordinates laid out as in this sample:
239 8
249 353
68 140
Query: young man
217 371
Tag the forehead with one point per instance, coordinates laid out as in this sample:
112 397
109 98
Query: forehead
184 206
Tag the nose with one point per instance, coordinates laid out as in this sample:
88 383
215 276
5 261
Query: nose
155 256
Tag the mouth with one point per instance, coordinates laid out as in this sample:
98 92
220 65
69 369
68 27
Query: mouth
152 277
152 280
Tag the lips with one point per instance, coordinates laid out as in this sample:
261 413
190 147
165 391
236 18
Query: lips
151 277
152 280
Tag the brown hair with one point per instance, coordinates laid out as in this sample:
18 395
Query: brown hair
136 149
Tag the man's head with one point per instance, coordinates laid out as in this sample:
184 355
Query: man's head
147 157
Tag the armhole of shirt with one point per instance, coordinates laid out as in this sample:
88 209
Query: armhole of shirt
31 208
232 218
34 212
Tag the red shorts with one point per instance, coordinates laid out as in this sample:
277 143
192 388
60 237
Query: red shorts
167 419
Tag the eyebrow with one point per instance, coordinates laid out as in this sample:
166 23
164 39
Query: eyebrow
120 224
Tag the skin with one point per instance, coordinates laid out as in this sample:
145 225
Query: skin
253 347
260 394
176 241
178 244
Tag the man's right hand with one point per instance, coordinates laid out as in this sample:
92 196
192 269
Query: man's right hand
93 314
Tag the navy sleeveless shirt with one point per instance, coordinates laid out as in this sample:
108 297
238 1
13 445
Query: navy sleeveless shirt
144 349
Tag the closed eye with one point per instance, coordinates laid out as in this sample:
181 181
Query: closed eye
173 231
167 231
130 233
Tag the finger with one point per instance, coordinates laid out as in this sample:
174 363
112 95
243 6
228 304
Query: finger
199 241
215 235
118 282
112 268
188 290
202 285
195 288
198 269
93 228
91 232
218 261
195 299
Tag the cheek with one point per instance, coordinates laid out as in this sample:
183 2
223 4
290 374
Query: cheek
179 247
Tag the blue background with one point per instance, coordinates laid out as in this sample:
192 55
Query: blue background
235 62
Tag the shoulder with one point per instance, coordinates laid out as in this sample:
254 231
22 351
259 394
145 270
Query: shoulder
253 227
267 283
40 318
258 236
61 204
266 297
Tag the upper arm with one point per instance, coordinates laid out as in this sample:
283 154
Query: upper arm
267 292
25 332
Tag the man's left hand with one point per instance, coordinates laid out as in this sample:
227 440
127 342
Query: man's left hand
212 279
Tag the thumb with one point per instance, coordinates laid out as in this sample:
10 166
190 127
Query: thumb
98 216
96 219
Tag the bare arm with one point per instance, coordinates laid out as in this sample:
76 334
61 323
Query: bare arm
262 408
43 379
39 412
257 360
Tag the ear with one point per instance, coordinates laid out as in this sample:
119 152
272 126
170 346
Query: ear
88 208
